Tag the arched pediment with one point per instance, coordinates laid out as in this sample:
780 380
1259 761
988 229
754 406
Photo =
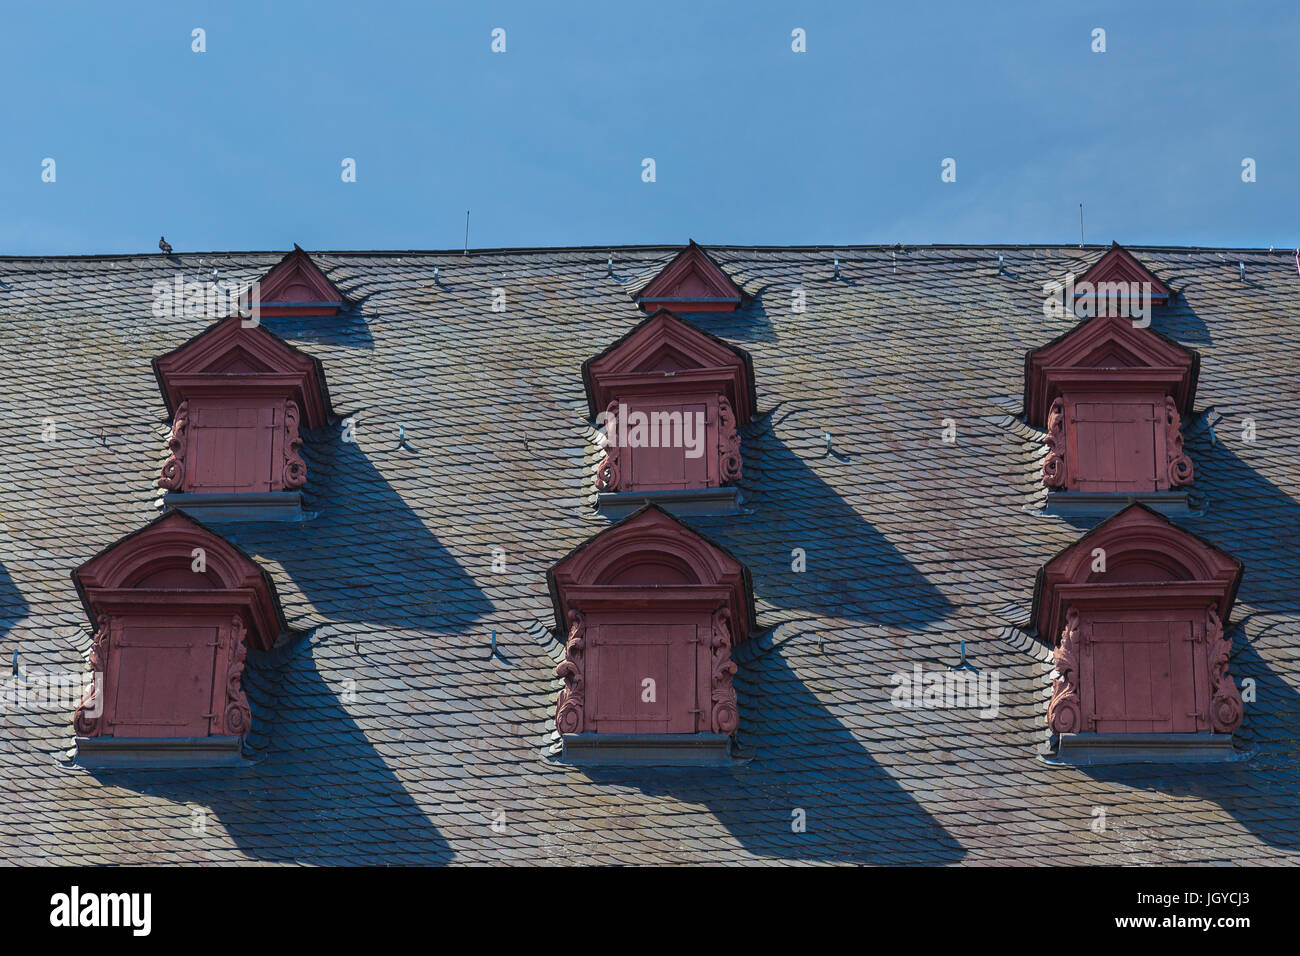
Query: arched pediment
652 550
1135 549
171 559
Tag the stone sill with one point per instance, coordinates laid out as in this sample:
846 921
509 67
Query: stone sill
649 750
1085 750
691 501
263 506
1103 504
103 753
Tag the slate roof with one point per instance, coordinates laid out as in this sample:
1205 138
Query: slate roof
383 733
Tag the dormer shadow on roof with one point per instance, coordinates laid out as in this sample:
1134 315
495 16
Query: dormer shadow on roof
296 286
1112 394
238 395
671 399
692 282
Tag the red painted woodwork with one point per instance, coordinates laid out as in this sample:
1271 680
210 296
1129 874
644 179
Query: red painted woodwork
678 378
296 286
1119 269
172 633
650 600
237 395
692 282
1111 398
1141 646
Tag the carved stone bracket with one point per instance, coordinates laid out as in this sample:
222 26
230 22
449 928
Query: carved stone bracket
237 717
1179 465
1225 700
725 715
608 477
295 469
173 470
1065 712
1054 465
569 711
83 722
728 442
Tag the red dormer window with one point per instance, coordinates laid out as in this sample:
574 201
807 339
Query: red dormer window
1117 285
1111 397
175 609
1135 611
671 399
296 286
651 611
238 396
692 282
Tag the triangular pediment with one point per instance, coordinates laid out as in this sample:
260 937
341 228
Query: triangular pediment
1119 265
1108 343
297 286
692 282
665 349
235 352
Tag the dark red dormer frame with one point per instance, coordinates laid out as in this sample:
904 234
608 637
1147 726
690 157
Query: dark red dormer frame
650 594
1105 371
1139 647
237 395
666 362
296 286
691 282
171 641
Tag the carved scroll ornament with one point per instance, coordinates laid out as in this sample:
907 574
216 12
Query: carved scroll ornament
237 718
1225 700
608 477
724 715
568 712
295 469
728 443
1065 712
173 470
1054 465
83 722
1179 465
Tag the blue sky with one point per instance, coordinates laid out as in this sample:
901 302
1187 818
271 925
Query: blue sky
240 147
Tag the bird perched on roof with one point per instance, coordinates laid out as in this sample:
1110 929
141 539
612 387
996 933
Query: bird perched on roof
164 245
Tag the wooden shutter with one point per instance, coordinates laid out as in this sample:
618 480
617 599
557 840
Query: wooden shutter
161 681
669 468
1144 675
235 448
622 657
1116 446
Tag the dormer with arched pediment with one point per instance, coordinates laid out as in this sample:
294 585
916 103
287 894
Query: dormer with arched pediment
175 609
692 282
651 611
671 400
1112 397
238 396
1135 612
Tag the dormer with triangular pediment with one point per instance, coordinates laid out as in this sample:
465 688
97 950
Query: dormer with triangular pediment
237 395
296 286
1112 397
671 400
692 282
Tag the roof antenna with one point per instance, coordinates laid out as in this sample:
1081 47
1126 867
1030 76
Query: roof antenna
1080 225
963 664
466 252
